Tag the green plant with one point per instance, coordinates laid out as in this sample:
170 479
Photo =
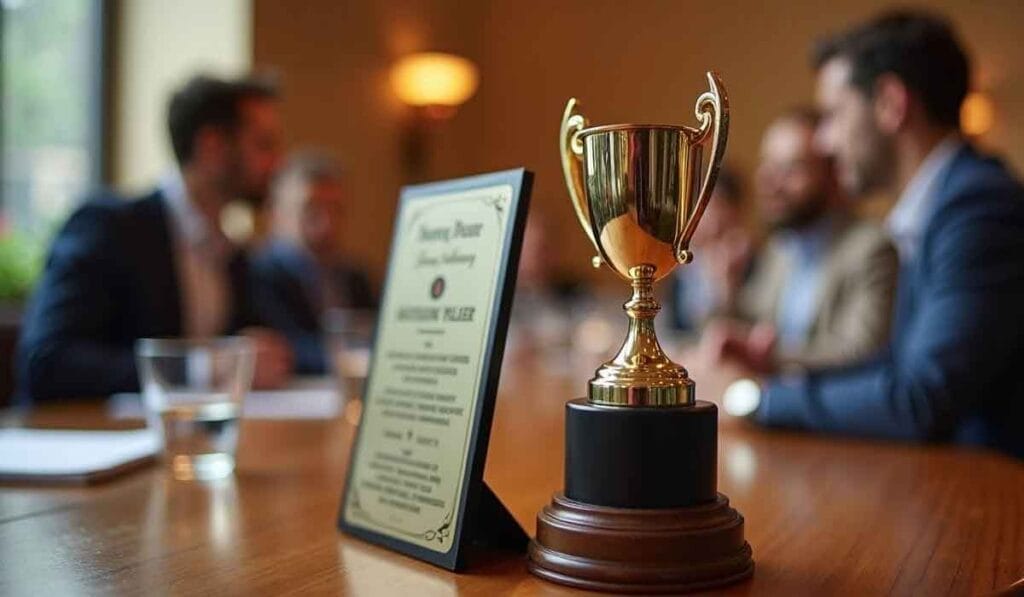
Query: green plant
20 264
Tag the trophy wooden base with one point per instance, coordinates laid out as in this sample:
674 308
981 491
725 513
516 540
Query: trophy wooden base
625 550
640 513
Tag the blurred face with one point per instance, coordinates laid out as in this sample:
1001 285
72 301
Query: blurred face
256 151
320 223
793 179
864 156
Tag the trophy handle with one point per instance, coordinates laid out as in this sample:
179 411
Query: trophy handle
571 150
712 111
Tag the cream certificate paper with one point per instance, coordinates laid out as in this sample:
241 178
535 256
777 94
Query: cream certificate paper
423 385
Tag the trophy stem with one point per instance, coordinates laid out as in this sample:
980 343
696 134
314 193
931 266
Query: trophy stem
642 306
641 374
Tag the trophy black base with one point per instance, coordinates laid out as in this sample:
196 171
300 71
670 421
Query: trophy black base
640 512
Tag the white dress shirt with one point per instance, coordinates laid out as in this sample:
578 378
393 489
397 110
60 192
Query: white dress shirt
201 255
909 216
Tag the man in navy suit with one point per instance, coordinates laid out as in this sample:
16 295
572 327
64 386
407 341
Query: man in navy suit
891 91
300 274
159 265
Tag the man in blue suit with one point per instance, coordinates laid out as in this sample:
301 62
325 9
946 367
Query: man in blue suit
891 91
158 266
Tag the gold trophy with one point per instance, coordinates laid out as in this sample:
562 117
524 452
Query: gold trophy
640 511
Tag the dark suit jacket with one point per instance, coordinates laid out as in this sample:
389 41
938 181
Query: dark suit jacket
953 369
110 279
285 284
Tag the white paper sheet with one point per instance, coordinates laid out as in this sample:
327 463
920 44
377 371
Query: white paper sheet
309 398
52 452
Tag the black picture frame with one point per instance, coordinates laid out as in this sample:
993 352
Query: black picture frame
481 518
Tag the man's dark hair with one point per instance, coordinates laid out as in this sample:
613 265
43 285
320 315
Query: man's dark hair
919 48
208 101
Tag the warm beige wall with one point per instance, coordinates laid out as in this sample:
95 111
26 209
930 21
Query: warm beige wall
333 58
626 61
159 44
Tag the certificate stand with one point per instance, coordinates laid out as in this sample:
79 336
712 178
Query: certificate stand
494 526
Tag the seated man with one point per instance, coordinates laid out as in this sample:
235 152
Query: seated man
822 288
157 266
300 273
890 91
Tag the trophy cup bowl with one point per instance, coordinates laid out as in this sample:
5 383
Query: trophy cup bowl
637 194
640 511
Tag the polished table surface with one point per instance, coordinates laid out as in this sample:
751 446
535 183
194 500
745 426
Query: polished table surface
824 516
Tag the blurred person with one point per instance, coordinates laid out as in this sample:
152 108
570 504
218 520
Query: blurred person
822 289
710 285
158 265
890 91
538 277
300 274
545 297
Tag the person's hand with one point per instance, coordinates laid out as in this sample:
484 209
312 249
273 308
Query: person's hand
731 350
708 364
720 339
274 359
749 347
756 352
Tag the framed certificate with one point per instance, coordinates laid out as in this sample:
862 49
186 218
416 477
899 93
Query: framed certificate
415 476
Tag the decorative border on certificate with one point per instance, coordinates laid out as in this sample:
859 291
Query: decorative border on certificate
416 468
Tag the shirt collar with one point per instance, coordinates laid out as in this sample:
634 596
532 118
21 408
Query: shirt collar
908 217
190 225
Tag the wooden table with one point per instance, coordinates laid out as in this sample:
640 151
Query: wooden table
824 516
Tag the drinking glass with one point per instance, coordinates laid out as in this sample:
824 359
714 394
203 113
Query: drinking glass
349 340
192 392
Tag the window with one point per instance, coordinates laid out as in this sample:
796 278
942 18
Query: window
51 100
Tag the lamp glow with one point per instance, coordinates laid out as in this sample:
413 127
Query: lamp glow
977 114
434 79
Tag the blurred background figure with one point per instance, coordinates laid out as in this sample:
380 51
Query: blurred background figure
159 265
710 285
822 288
546 299
301 273
539 278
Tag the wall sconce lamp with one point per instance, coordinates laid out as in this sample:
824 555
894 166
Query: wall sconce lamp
977 114
434 85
